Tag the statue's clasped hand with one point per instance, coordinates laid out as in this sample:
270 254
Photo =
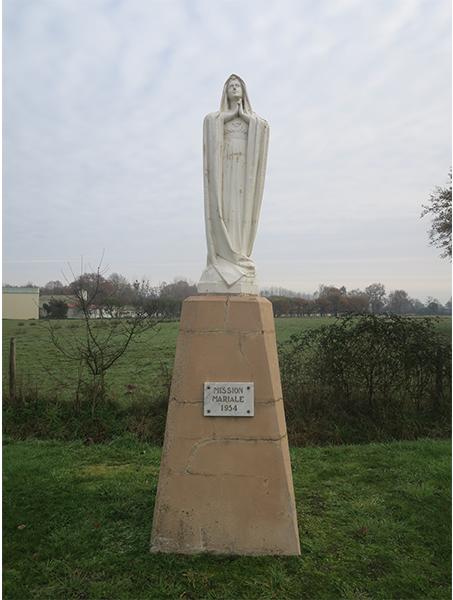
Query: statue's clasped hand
242 115
229 115
235 113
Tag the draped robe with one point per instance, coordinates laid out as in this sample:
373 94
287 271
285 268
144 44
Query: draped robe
229 261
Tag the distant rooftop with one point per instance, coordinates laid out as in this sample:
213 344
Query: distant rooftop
11 290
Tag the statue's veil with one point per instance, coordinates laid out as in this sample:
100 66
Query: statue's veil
245 98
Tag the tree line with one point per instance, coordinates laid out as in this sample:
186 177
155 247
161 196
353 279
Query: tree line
336 301
117 297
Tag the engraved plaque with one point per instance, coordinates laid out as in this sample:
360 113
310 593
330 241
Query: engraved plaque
229 399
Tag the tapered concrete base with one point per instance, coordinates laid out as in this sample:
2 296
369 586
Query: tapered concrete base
225 483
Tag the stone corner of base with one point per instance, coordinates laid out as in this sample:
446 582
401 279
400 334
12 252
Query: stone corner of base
263 300
157 548
295 551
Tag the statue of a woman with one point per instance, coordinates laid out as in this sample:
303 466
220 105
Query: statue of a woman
235 142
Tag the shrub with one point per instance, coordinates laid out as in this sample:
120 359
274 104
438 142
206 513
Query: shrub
367 378
56 309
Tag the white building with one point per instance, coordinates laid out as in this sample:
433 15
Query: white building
20 303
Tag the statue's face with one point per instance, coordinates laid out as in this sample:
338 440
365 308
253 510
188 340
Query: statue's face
234 90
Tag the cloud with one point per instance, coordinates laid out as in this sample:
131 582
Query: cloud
103 106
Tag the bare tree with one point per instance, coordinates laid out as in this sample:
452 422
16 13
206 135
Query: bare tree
439 207
399 302
331 299
53 286
376 297
104 340
357 302
178 290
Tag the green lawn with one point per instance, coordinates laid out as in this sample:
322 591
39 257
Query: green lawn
40 365
374 524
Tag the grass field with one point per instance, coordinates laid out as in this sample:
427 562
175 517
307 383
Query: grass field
374 524
40 365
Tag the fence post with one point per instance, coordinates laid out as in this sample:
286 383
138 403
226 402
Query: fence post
12 371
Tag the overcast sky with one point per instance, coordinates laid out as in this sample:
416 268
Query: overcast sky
103 110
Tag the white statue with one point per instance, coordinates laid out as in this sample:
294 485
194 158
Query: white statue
235 142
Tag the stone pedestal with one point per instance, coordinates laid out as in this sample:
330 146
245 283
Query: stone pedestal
225 483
